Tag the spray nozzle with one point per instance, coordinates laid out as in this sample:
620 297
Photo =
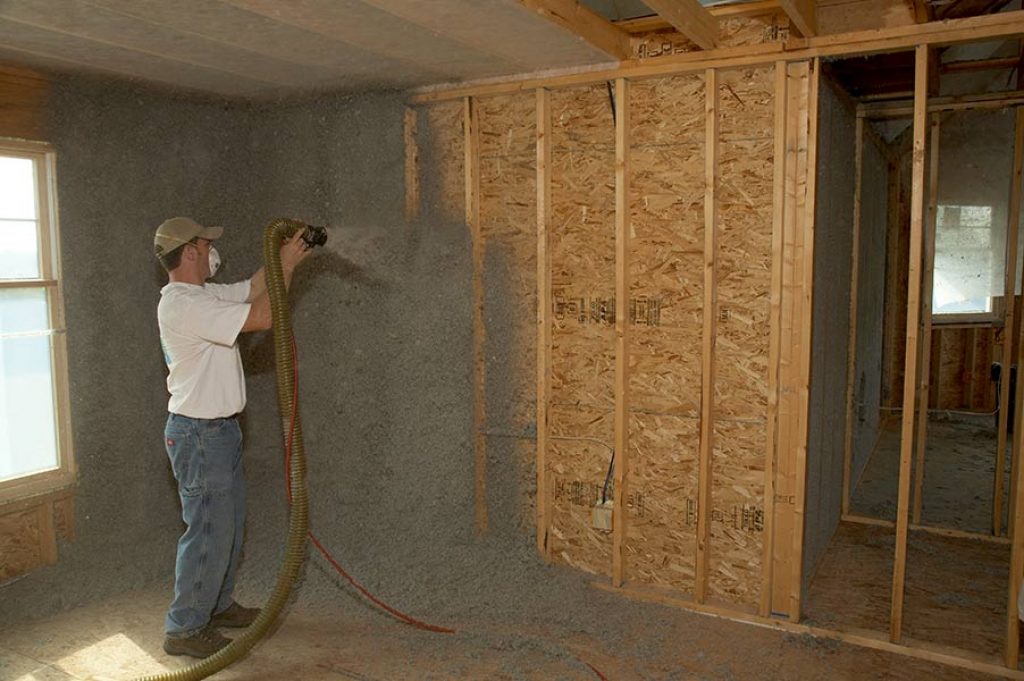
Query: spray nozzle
314 235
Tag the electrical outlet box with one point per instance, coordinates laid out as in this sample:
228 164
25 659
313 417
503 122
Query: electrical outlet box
601 516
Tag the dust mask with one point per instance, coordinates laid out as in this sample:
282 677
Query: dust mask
214 261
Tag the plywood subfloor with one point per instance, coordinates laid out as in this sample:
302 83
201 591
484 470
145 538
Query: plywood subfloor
958 478
955 588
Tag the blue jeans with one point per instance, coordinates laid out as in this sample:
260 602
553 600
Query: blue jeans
206 457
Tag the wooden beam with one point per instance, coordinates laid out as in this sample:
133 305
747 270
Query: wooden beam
1012 649
471 129
970 65
543 314
802 14
1009 295
412 167
774 338
707 383
922 11
913 319
1006 24
793 129
851 343
926 319
742 9
690 18
585 23
900 109
622 231
807 173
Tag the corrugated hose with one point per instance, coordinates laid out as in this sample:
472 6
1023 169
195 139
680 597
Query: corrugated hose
298 513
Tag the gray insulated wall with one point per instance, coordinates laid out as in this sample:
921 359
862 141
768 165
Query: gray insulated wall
867 396
381 317
832 243
126 160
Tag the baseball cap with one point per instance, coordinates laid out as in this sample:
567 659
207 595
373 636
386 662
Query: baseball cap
179 231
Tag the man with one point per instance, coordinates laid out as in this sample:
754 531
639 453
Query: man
199 327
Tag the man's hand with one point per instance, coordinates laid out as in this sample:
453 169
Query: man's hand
294 251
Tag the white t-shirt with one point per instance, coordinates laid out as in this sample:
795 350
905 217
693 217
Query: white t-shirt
199 328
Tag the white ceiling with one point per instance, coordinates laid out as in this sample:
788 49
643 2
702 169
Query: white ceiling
257 48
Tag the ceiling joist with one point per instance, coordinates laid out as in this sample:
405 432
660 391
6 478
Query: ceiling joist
803 16
690 18
585 23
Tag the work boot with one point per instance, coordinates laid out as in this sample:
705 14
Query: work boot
234 616
202 643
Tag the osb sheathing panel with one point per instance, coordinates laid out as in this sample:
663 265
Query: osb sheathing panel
508 220
732 32
744 195
21 543
667 213
661 520
578 459
737 517
440 138
666 266
582 248
960 369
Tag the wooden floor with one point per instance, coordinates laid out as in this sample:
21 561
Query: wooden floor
958 475
955 588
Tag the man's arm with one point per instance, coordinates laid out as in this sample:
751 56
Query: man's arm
260 318
257 285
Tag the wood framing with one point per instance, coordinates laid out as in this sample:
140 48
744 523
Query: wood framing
775 313
996 64
1012 650
1012 331
742 9
924 386
580 20
1005 24
412 177
1009 296
900 109
543 313
471 130
913 320
794 319
809 174
803 15
709 333
851 346
690 18
622 234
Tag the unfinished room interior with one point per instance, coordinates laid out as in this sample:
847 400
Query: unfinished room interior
596 339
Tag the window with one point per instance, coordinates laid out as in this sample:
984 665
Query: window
35 446
968 261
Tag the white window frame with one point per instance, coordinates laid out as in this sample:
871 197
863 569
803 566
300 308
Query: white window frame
51 281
